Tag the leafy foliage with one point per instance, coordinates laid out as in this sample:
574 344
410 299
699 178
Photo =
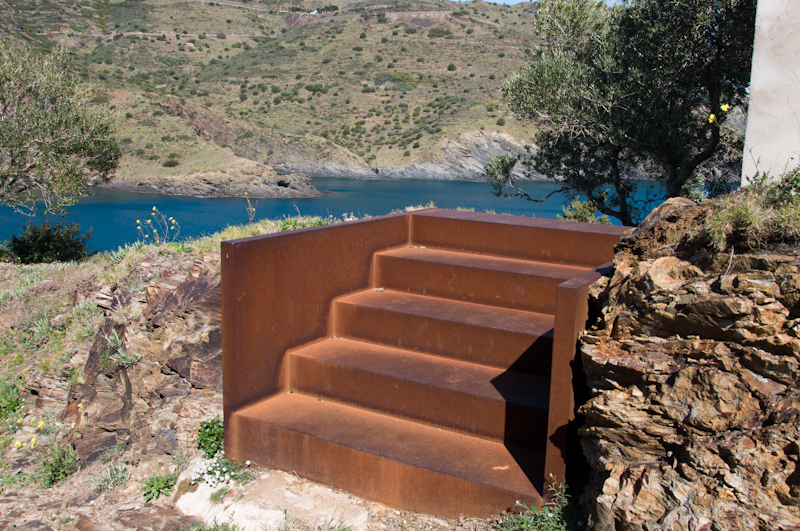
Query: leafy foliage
46 243
158 485
10 401
639 81
583 211
557 515
210 437
52 139
58 463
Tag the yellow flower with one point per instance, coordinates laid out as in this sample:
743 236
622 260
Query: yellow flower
146 236
41 423
712 118
33 421
73 424
58 424
137 221
24 445
170 218
33 442
19 421
17 444
154 209
725 107
80 405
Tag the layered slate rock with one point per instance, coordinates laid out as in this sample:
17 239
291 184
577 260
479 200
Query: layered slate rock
693 369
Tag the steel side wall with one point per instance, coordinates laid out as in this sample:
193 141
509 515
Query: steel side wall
277 293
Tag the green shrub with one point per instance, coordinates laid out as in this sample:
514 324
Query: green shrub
171 163
583 211
57 463
435 33
157 486
501 121
221 35
210 437
451 67
45 243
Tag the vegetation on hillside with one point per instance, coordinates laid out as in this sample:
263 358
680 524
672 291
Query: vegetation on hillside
357 83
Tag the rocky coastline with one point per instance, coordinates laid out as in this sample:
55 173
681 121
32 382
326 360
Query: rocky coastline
244 178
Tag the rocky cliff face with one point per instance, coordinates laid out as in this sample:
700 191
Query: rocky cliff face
460 159
693 369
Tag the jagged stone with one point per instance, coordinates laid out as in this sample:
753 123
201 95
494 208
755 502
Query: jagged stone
694 414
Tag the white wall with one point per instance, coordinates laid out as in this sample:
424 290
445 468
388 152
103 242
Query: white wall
772 140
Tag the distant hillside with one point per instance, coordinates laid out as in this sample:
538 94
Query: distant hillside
403 90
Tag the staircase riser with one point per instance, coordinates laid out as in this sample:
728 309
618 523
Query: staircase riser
466 342
368 475
481 286
434 406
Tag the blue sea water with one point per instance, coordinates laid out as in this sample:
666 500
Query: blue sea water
111 215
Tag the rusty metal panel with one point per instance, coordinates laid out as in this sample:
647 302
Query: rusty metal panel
277 292
572 311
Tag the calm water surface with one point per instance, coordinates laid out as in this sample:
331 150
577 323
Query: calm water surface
111 215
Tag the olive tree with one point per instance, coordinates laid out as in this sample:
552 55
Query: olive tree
638 83
53 139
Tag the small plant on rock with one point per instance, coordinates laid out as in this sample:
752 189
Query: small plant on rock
112 477
58 462
557 515
158 485
210 437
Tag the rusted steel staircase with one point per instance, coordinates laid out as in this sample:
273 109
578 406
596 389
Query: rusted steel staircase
421 359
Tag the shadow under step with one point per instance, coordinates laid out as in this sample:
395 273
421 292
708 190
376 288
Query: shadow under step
477 333
386 459
483 401
493 280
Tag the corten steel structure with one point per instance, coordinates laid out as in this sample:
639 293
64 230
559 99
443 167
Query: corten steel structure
418 359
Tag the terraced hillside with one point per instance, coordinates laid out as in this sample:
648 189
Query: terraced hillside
401 90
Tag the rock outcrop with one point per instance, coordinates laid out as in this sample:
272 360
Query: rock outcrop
461 159
693 368
237 179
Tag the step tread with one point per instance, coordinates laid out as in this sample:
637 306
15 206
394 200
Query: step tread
480 261
446 452
453 375
481 315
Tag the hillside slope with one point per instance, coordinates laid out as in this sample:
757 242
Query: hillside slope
363 91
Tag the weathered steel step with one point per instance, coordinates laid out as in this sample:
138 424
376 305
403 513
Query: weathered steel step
486 402
546 240
498 337
397 462
496 281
